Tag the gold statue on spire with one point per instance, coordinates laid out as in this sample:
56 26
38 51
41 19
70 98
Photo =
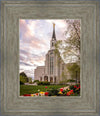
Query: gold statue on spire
53 25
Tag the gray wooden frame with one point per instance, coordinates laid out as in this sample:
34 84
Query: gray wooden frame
11 102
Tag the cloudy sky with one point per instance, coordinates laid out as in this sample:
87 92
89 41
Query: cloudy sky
35 36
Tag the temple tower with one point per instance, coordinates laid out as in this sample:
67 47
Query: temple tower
53 40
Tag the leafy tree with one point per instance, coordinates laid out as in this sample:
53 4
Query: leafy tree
74 70
23 74
70 48
73 41
23 78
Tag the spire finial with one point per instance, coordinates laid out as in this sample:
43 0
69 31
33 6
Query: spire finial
53 35
53 25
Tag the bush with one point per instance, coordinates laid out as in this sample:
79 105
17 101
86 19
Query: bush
53 92
71 80
72 87
43 83
36 81
21 83
62 82
30 82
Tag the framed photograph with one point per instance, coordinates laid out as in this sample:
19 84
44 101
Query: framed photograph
50 58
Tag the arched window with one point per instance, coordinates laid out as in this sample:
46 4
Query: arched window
45 78
51 79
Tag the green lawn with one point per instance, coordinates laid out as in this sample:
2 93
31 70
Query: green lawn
30 89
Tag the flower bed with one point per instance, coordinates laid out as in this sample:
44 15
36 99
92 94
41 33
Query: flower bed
73 90
30 89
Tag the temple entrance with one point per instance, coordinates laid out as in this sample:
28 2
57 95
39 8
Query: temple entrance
51 79
45 78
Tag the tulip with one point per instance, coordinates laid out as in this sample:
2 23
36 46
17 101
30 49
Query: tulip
79 86
42 93
67 94
46 93
27 95
32 95
61 90
75 86
71 90
37 94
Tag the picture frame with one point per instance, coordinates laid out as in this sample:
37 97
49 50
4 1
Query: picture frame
87 103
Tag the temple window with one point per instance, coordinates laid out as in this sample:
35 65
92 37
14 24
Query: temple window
51 65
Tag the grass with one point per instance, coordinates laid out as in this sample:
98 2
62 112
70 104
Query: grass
30 89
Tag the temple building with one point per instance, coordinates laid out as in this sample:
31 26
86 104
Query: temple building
54 66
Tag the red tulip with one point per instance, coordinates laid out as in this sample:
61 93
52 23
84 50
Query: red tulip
37 93
61 90
75 86
45 87
67 94
71 90
27 95
46 93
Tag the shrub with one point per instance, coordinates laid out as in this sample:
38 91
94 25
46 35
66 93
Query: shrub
62 82
72 88
53 92
43 83
71 80
21 83
36 81
30 82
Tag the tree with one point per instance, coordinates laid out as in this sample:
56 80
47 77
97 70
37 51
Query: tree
23 74
70 48
74 70
73 41
23 77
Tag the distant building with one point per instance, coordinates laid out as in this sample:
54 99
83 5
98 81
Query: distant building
54 68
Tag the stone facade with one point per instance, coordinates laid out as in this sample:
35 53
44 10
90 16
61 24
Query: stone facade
39 72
